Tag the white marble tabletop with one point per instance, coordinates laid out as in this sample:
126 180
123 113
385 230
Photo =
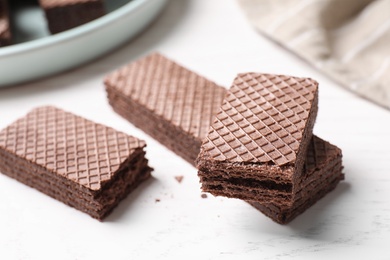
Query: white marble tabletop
214 39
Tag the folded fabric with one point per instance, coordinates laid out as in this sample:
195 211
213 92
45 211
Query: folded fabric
348 40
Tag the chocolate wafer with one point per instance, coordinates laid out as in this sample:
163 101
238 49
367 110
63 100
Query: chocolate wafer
311 186
256 147
63 15
169 102
321 174
5 31
85 165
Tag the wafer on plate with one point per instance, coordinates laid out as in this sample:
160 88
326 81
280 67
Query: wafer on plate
63 15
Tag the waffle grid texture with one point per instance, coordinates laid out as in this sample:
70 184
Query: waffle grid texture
262 119
177 95
73 147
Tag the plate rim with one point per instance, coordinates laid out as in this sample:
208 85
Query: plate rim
74 32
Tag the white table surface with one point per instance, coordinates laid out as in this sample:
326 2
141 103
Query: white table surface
212 38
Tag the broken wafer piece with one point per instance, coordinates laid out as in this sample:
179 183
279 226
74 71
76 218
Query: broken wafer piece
321 174
169 102
5 31
63 15
256 146
85 165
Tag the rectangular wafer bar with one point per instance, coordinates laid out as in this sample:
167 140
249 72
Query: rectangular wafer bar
63 15
321 174
85 165
5 31
256 146
169 102
327 155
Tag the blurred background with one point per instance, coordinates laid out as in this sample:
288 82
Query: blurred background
344 45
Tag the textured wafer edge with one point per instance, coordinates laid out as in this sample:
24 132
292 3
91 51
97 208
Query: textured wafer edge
60 192
287 172
65 15
18 167
259 191
83 138
39 171
319 179
130 172
232 180
306 139
221 172
284 216
97 207
167 134
264 192
173 136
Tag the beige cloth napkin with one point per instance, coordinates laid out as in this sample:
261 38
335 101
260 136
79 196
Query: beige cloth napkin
349 40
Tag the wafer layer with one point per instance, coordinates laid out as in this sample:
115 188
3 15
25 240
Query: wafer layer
322 172
172 104
288 105
257 144
83 164
63 15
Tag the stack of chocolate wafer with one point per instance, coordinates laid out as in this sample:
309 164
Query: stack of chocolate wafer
260 146
86 165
